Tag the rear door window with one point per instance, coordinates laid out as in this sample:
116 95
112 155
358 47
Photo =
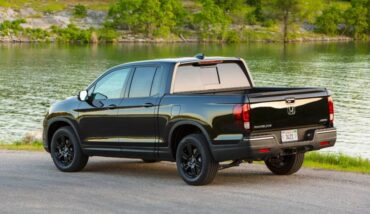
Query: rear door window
142 81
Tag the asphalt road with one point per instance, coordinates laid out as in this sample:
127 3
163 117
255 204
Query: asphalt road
29 183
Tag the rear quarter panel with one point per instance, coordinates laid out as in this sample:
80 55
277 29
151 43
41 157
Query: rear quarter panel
214 113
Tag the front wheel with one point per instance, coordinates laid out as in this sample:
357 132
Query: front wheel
66 151
285 165
194 161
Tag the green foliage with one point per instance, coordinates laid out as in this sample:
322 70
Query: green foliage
229 5
257 4
107 35
11 27
79 11
232 37
337 162
36 33
151 17
329 21
72 34
356 19
23 145
211 22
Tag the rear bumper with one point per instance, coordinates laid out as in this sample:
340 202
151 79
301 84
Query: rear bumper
264 146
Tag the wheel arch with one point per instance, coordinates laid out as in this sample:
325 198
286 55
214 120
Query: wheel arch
182 129
55 124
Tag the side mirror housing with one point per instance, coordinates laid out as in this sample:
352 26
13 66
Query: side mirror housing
82 95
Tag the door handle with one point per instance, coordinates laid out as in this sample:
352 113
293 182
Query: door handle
112 106
146 105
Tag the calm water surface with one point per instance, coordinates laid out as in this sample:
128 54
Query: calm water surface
34 76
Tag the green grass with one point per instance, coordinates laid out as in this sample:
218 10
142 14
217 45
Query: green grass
56 5
20 145
338 162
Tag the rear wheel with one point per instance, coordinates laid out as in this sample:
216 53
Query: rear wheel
285 165
195 163
66 151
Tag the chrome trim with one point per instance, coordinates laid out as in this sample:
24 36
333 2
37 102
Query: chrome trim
259 138
325 131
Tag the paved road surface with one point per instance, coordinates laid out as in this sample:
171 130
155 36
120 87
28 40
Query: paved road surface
29 183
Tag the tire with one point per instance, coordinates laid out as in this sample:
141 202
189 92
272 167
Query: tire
285 165
194 161
66 152
149 160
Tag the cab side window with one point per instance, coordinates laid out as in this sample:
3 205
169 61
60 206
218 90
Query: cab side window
142 81
111 86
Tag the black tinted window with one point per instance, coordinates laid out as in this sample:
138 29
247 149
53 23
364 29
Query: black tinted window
142 82
111 85
158 86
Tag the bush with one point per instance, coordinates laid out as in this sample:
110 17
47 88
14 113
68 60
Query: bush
356 19
232 37
329 20
79 11
36 34
72 34
107 35
151 17
211 22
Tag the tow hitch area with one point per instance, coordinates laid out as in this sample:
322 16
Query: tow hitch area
232 164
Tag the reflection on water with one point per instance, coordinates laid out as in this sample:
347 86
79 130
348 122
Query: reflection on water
33 76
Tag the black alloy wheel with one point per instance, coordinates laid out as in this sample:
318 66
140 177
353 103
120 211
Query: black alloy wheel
191 160
194 161
66 152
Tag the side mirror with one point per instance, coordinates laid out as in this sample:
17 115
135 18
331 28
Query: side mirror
82 95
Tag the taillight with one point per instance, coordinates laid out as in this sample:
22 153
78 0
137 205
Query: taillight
242 114
331 110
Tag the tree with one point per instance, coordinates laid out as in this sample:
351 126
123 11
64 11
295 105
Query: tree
289 11
124 14
329 20
258 11
79 11
212 22
151 17
356 19
230 5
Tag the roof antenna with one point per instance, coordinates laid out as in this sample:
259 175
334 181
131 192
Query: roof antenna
200 56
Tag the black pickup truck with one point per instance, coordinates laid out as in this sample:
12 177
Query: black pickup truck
197 111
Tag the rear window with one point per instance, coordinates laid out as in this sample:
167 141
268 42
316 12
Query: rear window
211 77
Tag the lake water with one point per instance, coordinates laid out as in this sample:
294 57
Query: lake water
32 76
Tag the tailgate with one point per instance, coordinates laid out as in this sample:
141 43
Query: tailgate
285 108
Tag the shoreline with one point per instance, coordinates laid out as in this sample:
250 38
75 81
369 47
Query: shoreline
179 41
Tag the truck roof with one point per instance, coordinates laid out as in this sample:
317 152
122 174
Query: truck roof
182 60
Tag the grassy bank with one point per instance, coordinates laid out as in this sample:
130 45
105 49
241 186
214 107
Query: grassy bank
339 162
19 145
330 161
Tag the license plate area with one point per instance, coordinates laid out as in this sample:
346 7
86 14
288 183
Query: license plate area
289 136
